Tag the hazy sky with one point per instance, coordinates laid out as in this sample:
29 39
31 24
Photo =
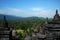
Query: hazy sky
28 8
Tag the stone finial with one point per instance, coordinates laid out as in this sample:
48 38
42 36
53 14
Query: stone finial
56 11
5 23
4 17
56 17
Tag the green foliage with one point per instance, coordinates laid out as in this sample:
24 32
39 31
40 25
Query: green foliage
21 33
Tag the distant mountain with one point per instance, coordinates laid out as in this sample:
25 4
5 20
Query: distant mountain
10 17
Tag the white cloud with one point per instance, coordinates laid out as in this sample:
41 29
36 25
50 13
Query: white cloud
36 9
15 10
39 12
59 12
2 12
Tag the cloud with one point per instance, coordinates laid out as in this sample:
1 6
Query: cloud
36 9
2 12
15 10
39 12
42 12
59 12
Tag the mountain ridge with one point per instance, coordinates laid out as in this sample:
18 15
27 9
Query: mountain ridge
10 17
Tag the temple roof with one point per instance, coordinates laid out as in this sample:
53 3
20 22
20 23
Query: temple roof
4 29
56 17
4 32
55 22
40 35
